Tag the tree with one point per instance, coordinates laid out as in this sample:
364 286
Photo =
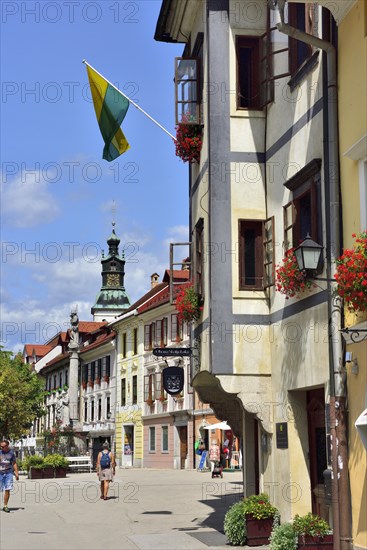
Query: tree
21 395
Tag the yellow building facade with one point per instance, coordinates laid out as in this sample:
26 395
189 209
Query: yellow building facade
352 78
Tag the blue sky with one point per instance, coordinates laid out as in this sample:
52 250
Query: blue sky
57 191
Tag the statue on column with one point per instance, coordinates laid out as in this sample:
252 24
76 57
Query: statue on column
62 401
74 331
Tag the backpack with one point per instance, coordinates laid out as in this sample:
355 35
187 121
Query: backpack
105 461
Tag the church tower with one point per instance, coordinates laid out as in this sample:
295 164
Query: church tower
112 299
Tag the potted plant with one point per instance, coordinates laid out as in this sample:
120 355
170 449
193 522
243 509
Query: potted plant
57 463
106 378
34 466
289 279
84 385
350 274
188 304
283 537
234 524
313 532
188 141
259 518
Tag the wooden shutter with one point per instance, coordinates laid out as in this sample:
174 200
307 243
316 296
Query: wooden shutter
147 341
164 331
269 252
158 333
289 215
146 386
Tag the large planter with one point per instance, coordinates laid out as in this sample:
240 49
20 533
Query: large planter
35 473
48 472
60 472
316 543
258 530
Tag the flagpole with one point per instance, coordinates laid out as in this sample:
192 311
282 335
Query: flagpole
130 100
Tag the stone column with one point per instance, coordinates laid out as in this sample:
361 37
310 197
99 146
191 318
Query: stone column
73 388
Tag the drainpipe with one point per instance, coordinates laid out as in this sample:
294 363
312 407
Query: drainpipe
338 427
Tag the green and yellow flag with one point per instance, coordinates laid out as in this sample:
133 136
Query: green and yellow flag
111 108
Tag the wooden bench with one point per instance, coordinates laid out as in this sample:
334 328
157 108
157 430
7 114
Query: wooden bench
79 462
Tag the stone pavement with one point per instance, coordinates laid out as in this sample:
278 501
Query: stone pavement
147 510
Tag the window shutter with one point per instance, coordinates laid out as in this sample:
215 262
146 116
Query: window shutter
266 70
289 220
158 333
147 341
164 331
158 386
174 327
146 386
269 253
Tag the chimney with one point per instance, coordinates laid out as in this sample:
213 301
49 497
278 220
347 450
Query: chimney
154 280
185 266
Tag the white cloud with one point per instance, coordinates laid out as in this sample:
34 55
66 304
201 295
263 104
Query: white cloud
28 203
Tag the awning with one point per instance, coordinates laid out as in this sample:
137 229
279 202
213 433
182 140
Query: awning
361 425
218 426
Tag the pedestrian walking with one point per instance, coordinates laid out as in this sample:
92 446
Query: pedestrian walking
214 454
105 469
8 467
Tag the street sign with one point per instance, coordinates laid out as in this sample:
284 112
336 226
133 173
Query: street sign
172 352
173 380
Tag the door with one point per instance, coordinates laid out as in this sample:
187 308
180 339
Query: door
128 445
317 449
183 445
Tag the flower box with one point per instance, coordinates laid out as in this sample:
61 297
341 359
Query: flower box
35 473
258 530
188 141
60 472
316 543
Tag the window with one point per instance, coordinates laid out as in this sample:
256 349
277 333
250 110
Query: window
124 349
55 387
186 90
164 439
149 336
135 350
176 328
85 374
99 369
199 258
152 439
256 254
161 332
123 392
300 16
159 388
248 75
135 390
302 214
99 408
85 411
106 366
67 377
108 406
60 380
92 410
149 396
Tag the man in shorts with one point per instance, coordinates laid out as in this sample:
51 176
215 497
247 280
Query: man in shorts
105 469
8 466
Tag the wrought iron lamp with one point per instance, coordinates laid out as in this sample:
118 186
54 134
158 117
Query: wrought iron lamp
309 257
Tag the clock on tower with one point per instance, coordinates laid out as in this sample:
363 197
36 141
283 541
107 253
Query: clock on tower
113 279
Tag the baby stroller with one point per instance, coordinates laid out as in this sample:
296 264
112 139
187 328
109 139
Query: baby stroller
217 470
